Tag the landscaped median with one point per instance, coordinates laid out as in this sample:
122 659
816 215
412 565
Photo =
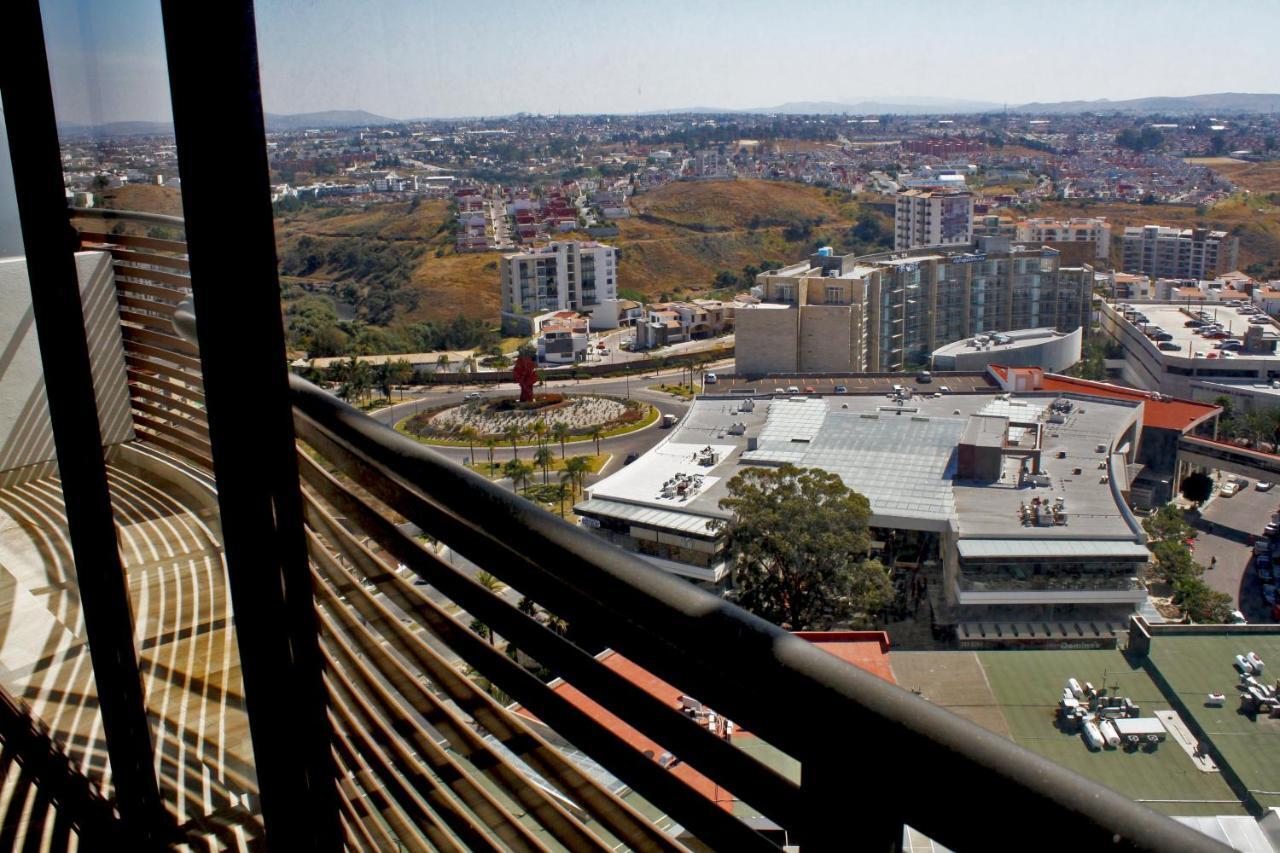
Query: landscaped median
554 419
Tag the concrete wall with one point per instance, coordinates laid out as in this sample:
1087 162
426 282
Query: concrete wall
827 342
767 340
26 437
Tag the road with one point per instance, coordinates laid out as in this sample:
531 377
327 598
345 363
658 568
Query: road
618 446
1225 525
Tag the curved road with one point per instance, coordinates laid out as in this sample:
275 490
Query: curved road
619 446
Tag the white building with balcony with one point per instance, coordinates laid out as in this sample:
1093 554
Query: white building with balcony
562 276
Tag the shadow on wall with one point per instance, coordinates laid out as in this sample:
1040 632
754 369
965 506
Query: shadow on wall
26 438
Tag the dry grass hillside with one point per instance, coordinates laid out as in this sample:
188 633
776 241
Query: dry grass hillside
147 198
684 234
1254 219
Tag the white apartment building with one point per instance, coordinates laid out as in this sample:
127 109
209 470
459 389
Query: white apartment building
933 218
562 276
1162 252
1081 229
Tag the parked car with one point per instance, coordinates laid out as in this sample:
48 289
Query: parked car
1263 486
840 389
1228 489
473 395
1237 618
944 389
1169 346
1195 324
1161 335
793 389
710 379
924 376
809 389
631 457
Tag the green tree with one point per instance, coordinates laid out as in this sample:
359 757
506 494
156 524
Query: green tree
575 473
400 373
560 432
1166 523
1202 603
512 433
518 472
543 457
469 435
597 433
1174 562
799 541
1197 487
490 442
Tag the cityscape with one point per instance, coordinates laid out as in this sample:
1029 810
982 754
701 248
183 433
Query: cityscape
534 469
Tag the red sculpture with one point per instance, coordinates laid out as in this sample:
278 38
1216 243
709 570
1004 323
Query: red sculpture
526 375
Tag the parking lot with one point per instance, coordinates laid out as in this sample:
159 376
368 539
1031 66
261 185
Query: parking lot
861 383
1226 525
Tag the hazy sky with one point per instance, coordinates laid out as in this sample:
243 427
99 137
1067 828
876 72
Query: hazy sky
411 59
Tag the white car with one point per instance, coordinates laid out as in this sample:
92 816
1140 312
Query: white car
944 389
473 395
710 379
1263 486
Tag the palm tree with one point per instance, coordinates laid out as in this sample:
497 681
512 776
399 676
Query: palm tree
518 472
442 362
597 433
494 586
490 442
540 431
400 372
561 491
468 434
512 433
568 479
543 459
577 467
561 434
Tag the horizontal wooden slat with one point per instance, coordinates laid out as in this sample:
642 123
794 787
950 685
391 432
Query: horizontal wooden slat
168 294
175 246
137 303
177 448
132 345
142 364
156 424
155 258
160 324
172 418
158 276
183 405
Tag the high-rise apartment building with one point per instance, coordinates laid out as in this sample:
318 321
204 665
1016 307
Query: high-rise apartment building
1081 229
890 311
928 217
1162 252
562 276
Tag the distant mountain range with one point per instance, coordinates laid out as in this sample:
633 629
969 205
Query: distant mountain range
1223 102
295 121
1226 102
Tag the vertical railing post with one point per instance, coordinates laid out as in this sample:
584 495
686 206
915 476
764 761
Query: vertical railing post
50 245
222 159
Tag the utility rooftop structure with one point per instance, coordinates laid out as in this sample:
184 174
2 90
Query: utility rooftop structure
886 311
1045 348
1024 496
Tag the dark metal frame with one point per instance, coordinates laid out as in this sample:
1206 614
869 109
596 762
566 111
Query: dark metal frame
50 244
213 76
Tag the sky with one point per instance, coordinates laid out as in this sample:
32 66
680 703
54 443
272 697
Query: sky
412 59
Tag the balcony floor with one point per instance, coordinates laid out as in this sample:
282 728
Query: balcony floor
169 543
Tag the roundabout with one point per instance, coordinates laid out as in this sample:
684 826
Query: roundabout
550 417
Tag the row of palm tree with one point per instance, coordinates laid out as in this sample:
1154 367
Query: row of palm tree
358 379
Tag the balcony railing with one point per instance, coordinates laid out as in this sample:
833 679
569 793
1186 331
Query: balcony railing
427 751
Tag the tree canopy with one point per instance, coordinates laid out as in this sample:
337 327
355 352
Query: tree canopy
799 541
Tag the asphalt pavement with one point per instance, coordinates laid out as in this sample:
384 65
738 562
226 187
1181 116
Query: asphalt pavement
1225 526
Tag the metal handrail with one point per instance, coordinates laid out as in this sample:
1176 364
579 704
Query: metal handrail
770 680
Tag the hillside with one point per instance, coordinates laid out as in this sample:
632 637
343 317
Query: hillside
147 198
683 236
1254 219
